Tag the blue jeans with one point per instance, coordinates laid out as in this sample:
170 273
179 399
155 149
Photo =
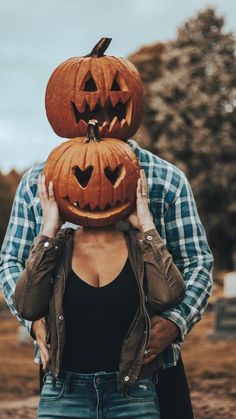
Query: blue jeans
95 396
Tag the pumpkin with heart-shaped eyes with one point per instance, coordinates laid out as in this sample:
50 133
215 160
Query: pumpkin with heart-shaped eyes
95 86
94 179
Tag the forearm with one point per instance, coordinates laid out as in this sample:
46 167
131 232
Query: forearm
187 242
24 224
9 275
190 310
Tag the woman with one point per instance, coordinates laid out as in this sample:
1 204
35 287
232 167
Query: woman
97 288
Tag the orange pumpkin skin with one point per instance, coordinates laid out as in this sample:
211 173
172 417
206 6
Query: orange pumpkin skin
99 201
106 88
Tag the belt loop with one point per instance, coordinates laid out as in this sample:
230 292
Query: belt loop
68 382
117 381
54 381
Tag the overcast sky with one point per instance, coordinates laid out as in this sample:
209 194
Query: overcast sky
36 36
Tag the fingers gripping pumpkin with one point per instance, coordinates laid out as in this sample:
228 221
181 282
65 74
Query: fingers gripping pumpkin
106 88
94 179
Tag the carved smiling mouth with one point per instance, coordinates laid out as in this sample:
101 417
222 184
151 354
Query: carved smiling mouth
97 210
115 114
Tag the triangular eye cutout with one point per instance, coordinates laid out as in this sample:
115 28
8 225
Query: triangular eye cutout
119 83
83 176
115 86
113 175
90 85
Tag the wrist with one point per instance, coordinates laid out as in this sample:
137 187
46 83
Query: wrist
50 231
147 226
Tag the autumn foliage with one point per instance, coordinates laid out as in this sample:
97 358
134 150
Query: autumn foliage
8 184
190 119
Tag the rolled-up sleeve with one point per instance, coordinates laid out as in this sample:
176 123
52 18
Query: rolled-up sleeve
187 242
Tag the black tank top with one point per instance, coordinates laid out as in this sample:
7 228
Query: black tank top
96 321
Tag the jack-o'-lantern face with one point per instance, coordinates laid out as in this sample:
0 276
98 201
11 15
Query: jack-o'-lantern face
94 181
98 87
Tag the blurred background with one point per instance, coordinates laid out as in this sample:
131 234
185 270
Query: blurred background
185 52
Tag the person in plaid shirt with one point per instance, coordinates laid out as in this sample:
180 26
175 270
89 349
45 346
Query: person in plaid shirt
176 218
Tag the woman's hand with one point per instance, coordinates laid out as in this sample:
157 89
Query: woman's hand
39 331
51 217
141 218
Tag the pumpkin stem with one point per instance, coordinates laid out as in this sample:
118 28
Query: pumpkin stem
93 133
99 49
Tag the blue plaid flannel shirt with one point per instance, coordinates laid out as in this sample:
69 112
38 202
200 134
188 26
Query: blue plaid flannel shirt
176 218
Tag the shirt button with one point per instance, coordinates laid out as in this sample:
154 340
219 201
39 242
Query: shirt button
126 378
149 237
61 317
98 380
56 247
46 244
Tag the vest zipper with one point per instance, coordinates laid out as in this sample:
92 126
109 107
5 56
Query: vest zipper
143 299
58 359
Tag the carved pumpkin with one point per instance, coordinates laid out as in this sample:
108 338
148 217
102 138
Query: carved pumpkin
94 180
99 87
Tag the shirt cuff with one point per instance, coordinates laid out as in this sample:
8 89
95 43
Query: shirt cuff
28 326
177 318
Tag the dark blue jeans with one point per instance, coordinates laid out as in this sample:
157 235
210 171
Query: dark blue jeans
95 396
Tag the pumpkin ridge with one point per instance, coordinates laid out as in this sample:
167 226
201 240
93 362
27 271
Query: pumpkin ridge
117 147
109 157
58 167
69 170
121 68
93 101
54 157
107 88
112 151
103 180
114 73
76 80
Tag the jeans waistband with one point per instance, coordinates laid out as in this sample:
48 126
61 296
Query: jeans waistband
100 376
97 379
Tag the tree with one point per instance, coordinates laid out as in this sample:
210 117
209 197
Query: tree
8 184
190 119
